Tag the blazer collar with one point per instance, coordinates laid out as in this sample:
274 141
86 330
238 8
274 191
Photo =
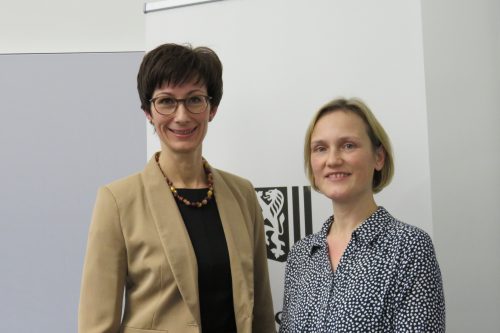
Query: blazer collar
239 245
173 234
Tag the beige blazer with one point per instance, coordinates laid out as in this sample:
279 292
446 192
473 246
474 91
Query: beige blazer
138 244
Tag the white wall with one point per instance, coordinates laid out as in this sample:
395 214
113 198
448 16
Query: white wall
462 65
33 26
278 72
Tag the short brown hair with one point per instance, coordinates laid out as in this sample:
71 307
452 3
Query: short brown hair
374 129
176 65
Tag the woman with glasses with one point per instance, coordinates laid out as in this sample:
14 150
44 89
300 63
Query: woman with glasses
364 271
180 246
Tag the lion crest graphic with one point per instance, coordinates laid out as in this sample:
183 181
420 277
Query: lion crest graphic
273 204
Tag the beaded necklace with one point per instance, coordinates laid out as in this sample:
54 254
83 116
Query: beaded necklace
198 204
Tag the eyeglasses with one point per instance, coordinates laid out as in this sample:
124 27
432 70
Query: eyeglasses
167 105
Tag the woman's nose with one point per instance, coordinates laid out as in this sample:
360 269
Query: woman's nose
181 113
334 157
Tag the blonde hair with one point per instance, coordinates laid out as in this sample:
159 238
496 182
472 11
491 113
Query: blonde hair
374 129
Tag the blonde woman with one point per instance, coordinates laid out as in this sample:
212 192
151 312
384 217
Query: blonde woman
364 271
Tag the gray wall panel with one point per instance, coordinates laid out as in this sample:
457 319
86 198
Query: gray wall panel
69 123
462 52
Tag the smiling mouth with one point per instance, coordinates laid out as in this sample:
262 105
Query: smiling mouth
337 175
182 131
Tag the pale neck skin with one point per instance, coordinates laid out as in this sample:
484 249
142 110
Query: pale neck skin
348 216
184 170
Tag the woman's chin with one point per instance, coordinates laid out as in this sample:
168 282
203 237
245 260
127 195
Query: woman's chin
181 148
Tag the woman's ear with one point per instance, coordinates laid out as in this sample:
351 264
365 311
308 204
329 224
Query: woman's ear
213 111
149 117
379 158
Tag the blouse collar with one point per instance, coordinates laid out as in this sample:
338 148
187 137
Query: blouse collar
365 233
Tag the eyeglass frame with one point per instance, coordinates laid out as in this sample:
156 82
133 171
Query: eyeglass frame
181 100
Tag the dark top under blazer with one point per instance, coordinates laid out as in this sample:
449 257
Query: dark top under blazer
204 227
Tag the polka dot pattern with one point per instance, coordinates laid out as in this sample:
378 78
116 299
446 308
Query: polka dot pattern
388 280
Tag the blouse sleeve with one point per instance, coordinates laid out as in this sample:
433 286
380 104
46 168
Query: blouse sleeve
104 269
263 320
288 290
420 306
293 278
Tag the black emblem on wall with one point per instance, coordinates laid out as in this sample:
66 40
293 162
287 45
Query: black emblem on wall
275 205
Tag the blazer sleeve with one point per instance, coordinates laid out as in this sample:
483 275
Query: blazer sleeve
104 269
263 313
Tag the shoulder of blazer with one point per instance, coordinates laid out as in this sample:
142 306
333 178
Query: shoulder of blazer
232 179
237 184
125 189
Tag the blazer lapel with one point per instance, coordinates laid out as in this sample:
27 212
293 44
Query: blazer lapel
173 234
239 246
